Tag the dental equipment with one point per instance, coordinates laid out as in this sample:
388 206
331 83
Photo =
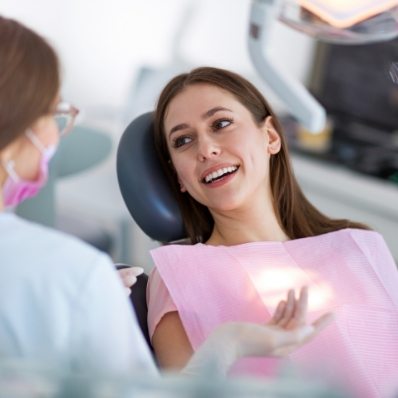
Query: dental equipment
354 29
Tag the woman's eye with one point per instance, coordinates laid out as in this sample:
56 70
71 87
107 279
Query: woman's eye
222 123
180 141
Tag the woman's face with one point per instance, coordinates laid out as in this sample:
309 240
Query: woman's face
25 154
220 154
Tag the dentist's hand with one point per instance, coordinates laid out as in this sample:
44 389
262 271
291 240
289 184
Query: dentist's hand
128 275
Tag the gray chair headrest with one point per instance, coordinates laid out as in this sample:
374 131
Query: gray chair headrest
143 183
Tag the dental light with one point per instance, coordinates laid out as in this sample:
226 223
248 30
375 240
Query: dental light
334 21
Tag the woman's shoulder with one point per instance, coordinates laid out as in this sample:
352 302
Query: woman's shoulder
173 252
174 257
368 234
346 235
360 236
370 242
363 242
342 241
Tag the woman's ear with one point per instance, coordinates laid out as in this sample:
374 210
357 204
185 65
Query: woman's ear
274 139
182 187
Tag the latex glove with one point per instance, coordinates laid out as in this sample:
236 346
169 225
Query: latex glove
128 275
287 331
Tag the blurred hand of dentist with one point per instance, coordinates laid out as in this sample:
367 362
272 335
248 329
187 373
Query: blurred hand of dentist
128 275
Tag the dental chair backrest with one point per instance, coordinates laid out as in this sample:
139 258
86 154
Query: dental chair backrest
143 183
148 198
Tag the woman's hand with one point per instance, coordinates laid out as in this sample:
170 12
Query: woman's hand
128 275
287 330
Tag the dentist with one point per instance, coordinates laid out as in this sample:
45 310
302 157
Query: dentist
52 303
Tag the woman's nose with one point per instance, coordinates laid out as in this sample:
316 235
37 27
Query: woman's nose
207 149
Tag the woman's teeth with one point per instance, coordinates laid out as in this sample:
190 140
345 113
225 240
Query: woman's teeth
215 175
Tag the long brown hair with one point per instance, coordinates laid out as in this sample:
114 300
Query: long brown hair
297 216
29 79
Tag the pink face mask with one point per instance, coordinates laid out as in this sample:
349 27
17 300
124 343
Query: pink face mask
15 189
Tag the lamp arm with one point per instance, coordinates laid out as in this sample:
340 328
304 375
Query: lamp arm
302 105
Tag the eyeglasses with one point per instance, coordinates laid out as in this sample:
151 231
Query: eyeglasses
65 116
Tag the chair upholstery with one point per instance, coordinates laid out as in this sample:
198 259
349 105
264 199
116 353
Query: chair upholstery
138 301
148 198
143 183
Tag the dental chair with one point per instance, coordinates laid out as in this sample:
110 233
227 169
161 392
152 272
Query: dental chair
147 196
143 183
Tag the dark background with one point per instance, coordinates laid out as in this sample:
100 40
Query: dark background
354 84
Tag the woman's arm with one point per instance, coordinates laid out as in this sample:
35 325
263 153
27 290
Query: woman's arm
287 330
170 342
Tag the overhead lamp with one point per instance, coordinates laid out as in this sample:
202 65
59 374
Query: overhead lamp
333 21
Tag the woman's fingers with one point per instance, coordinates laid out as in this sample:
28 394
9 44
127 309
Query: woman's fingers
307 332
288 310
290 323
278 314
301 308
322 322
293 312
290 340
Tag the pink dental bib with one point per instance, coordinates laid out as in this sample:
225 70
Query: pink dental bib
349 272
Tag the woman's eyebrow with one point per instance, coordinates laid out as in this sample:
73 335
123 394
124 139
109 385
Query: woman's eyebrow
181 126
206 115
214 110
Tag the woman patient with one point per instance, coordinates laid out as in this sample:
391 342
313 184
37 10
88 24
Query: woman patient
254 235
